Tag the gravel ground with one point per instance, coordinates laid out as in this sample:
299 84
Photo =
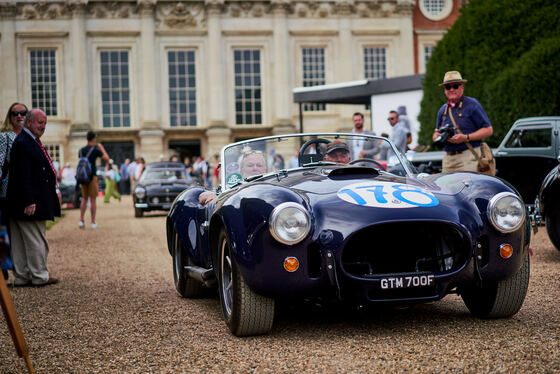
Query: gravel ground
116 311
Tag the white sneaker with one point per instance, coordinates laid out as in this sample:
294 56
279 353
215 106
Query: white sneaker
81 224
94 225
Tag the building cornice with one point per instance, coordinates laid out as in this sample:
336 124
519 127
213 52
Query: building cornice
113 33
247 32
313 32
42 34
378 32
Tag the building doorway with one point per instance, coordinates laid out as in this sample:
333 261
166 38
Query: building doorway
184 148
119 151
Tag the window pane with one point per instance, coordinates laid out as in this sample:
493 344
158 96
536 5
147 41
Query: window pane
247 90
182 87
375 63
115 88
313 66
44 80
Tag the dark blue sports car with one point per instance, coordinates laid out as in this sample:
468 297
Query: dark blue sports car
347 219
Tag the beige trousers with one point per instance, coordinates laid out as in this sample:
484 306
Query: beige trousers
29 251
463 161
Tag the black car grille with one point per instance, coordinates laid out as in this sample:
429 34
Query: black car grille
405 247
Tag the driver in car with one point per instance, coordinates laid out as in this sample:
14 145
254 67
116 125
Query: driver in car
337 151
252 162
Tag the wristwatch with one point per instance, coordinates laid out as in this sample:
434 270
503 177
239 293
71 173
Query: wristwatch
468 138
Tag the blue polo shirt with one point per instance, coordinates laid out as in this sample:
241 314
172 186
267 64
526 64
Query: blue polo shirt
469 118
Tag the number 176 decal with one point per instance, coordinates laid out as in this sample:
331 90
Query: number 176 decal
387 195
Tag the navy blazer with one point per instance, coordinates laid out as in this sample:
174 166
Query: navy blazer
31 181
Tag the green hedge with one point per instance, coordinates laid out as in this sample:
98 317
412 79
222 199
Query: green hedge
508 52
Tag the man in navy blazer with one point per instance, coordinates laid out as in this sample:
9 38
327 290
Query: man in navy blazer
32 200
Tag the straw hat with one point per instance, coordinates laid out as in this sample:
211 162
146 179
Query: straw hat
452 77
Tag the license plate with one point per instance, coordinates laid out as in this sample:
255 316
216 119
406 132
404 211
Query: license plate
407 281
166 206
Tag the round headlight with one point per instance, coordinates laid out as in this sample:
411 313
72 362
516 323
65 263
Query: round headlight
506 212
289 223
140 192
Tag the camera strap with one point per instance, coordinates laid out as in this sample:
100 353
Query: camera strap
476 156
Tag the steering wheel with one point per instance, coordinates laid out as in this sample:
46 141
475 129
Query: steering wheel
306 158
366 162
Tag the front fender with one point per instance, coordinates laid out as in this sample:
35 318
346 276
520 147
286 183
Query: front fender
548 193
245 217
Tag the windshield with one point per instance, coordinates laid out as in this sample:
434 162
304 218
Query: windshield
164 174
260 156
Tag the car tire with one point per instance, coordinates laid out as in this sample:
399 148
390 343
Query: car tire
246 312
499 299
138 212
552 220
185 286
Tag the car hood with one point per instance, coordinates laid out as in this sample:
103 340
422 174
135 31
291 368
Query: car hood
329 180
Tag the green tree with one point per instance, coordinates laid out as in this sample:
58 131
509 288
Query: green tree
508 50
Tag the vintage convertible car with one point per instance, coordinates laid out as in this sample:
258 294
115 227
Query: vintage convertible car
158 186
370 231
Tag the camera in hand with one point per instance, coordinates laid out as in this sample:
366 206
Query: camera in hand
446 132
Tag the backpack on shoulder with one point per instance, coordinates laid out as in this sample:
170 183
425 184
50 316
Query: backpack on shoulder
84 172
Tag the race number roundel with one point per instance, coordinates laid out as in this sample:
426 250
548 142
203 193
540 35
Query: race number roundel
387 195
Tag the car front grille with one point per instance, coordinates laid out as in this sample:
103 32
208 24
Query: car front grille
160 199
405 247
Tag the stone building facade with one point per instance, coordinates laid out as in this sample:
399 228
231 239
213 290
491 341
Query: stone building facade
155 78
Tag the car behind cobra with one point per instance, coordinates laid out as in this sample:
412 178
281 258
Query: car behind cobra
158 186
369 232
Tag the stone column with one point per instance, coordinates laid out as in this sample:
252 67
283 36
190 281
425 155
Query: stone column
216 104
346 56
8 78
148 98
282 92
79 68
150 134
218 136
151 144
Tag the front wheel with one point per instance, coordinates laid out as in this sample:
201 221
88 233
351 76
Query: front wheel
138 212
553 225
498 299
246 313
185 286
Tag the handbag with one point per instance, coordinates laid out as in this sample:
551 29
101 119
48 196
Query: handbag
486 160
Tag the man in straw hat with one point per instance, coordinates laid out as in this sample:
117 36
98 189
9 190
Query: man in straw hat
469 116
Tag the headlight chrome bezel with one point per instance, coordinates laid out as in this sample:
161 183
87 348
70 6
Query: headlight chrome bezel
140 192
492 206
275 226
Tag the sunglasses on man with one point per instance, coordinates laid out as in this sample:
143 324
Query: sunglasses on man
21 113
454 86
391 118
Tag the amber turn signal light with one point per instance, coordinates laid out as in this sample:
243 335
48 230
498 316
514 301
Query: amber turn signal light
506 251
291 264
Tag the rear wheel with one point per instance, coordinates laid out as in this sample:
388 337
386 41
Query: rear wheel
553 225
138 212
499 299
185 286
245 312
